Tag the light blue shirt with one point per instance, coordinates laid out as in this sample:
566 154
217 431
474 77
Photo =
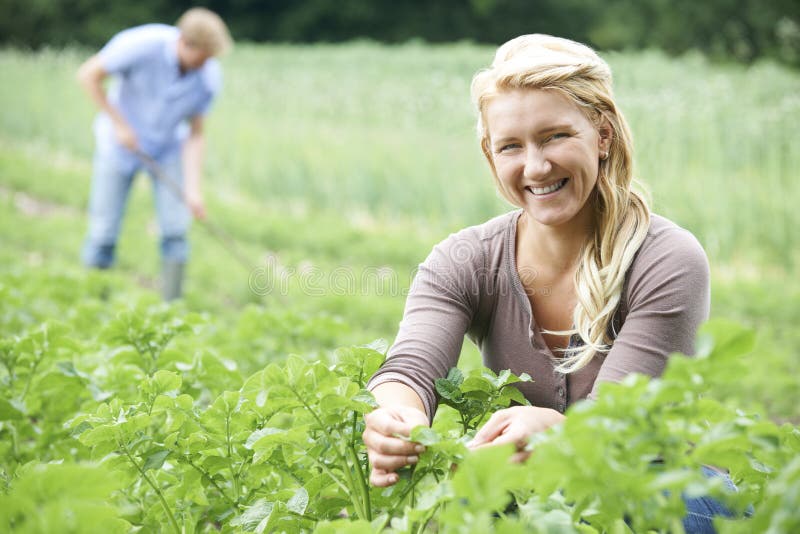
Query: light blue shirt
150 91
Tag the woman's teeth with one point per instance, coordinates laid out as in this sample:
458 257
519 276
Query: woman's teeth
549 189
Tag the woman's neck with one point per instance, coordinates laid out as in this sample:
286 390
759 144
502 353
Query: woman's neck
554 248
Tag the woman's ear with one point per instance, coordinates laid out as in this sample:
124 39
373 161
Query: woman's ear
606 135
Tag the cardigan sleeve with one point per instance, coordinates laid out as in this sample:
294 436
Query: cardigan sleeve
438 311
667 297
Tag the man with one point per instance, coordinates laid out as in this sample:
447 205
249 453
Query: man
166 78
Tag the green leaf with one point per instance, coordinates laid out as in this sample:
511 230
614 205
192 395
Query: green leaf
299 502
253 438
475 383
104 433
62 498
455 376
425 435
728 340
366 398
155 459
484 479
9 412
358 363
511 393
165 381
448 390
68 369
344 526
381 346
265 441
503 378
254 516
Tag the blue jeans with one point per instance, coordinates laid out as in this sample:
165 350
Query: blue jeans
113 173
701 511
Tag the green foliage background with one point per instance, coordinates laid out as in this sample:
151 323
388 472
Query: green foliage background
330 164
741 30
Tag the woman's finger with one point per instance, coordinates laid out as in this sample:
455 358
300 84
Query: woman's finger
515 437
383 444
381 478
385 423
493 427
520 457
387 462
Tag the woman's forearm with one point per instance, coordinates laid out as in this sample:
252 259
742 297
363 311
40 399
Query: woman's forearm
397 393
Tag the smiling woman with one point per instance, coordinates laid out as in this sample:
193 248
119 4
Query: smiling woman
580 285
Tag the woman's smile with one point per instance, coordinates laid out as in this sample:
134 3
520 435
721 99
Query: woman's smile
548 190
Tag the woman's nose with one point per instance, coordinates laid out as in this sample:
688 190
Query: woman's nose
537 165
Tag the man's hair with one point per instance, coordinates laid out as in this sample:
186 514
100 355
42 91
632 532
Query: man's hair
622 216
205 29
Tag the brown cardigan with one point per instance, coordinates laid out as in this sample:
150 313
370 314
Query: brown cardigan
469 285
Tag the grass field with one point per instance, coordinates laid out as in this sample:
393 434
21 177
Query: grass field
345 160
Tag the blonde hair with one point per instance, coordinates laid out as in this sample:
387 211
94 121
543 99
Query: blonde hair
203 28
622 216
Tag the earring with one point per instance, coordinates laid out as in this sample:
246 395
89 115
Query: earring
604 156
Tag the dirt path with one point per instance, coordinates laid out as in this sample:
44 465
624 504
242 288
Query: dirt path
36 207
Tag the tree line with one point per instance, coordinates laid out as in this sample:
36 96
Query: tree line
742 30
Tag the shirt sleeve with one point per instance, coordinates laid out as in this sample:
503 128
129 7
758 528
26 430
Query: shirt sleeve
439 309
668 297
212 80
128 48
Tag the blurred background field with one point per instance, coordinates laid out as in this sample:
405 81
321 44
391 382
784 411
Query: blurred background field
337 167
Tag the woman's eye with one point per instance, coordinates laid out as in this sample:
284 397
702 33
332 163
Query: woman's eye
509 146
558 135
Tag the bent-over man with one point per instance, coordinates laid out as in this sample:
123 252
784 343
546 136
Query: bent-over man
165 79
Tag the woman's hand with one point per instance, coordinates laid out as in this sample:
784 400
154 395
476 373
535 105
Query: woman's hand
515 425
386 451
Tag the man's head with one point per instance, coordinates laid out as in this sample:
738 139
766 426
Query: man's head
203 35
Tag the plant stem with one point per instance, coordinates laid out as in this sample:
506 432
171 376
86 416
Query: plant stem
36 363
360 469
357 504
207 476
328 471
362 483
304 516
9 365
489 410
411 485
353 430
152 485
427 519
236 489
355 490
14 441
278 467
464 422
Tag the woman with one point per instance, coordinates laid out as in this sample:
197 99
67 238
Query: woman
581 284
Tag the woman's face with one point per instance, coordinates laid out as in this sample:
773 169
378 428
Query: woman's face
546 154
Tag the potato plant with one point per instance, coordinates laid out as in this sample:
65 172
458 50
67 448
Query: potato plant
128 416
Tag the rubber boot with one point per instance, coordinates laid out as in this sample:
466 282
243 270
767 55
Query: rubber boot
172 280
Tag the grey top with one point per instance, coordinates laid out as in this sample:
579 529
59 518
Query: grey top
469 285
